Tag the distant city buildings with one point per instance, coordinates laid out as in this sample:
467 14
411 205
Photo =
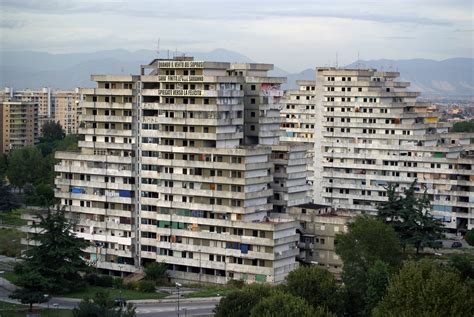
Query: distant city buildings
66 109
18 124
58 106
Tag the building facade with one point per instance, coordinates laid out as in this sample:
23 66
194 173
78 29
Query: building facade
319 226
18 124
373 132
176 167
67 110
298 116
42 98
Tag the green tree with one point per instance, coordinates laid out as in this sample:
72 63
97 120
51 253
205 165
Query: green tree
52 131
426 289
464 126
239 303
31 288
58 256
102 306
43 195
317 286
378 277
281 304
7 203
469 237
26 166
156 271
3 166
410 216
367 241
463 264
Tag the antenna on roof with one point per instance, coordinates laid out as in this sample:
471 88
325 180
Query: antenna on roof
336 60
358 60
158 48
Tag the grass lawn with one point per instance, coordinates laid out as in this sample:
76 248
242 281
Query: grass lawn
17 310
10 242
13 217
113 293
10 276
210 291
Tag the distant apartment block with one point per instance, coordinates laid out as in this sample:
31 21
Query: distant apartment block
53 105
42 98
66 109
182 164
18 124
370 131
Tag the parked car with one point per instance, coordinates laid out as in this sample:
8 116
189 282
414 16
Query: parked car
456 244
120 302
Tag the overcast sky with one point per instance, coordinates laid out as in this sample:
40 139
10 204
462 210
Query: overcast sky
294 34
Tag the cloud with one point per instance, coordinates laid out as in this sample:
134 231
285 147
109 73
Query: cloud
295 34
11 24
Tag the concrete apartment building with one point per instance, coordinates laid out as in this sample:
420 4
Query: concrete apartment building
18 124
66 109
53 105
319 226
374 132
42 97
298 116
176 166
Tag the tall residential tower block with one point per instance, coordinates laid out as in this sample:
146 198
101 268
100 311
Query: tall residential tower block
176 166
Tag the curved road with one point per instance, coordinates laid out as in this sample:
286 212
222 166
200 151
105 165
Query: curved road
155 308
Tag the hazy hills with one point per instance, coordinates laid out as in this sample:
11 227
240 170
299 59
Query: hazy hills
451 77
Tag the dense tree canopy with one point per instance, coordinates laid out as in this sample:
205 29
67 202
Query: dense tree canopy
464 126
3 165
156 271
367 241
469 237
7 201
281 304
240 302
26 165
409 214
317 286
378 277
426 288
52 131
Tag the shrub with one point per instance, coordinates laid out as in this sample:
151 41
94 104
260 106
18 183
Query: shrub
99 280
118 282
470 237
146 286
156 271
236 284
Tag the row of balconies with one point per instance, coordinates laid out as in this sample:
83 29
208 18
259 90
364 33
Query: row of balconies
106 105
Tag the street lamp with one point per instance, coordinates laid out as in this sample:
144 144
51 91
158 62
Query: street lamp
56 307
46 297
178 285
1 279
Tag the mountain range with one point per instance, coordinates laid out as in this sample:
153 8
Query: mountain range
28 69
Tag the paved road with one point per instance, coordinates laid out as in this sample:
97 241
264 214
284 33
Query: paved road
148 308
